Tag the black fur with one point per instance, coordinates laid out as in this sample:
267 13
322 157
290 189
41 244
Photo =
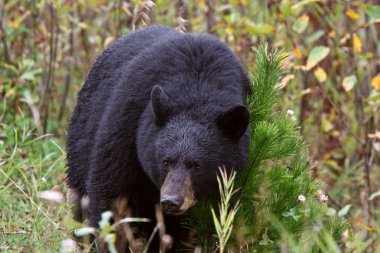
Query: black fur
121 130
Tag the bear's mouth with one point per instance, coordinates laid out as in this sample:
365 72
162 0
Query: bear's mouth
188 203
177 213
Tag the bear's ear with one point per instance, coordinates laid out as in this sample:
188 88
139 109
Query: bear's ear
234 122
160 104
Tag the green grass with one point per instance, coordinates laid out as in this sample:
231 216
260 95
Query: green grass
29 165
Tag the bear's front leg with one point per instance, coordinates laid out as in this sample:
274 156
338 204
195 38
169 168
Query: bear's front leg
97 205
99 196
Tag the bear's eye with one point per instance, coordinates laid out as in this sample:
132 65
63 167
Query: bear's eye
166 163
195 166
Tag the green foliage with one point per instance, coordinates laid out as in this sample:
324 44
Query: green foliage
29 166
263 78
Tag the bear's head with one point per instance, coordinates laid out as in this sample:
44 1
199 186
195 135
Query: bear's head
181 149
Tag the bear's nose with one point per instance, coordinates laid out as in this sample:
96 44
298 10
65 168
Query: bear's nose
171 204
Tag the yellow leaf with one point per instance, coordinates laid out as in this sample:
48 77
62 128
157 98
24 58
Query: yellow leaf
332 34
368 55
17 22
320 74
284 81
304 3
297 53
93 4
126 9
352 14
357 44
83 25
259 28
229 30
301 23
344 38
9 93
316 55
375 135
335 133
244 3
349 82
306 91
376 82
332 115
326 125
108 41
362 225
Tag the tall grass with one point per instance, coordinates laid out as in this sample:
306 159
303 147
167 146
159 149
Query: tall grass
225 219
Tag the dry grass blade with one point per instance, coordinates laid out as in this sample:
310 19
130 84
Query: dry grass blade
142 18
165 239
181 21
224 223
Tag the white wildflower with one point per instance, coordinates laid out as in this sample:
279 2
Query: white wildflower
51 196
323 198
346 234
290 112
69 246
301 198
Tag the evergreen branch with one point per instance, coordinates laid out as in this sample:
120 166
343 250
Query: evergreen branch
266 78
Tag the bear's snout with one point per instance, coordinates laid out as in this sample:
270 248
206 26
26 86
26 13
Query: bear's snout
177 194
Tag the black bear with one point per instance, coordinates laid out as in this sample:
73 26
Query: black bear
159 112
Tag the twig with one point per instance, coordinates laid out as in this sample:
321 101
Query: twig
162 232
151 238
118 7
3 30
70 66
210 15
122 210
165 240
305 106
84 37
359 112
341 114
45 92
